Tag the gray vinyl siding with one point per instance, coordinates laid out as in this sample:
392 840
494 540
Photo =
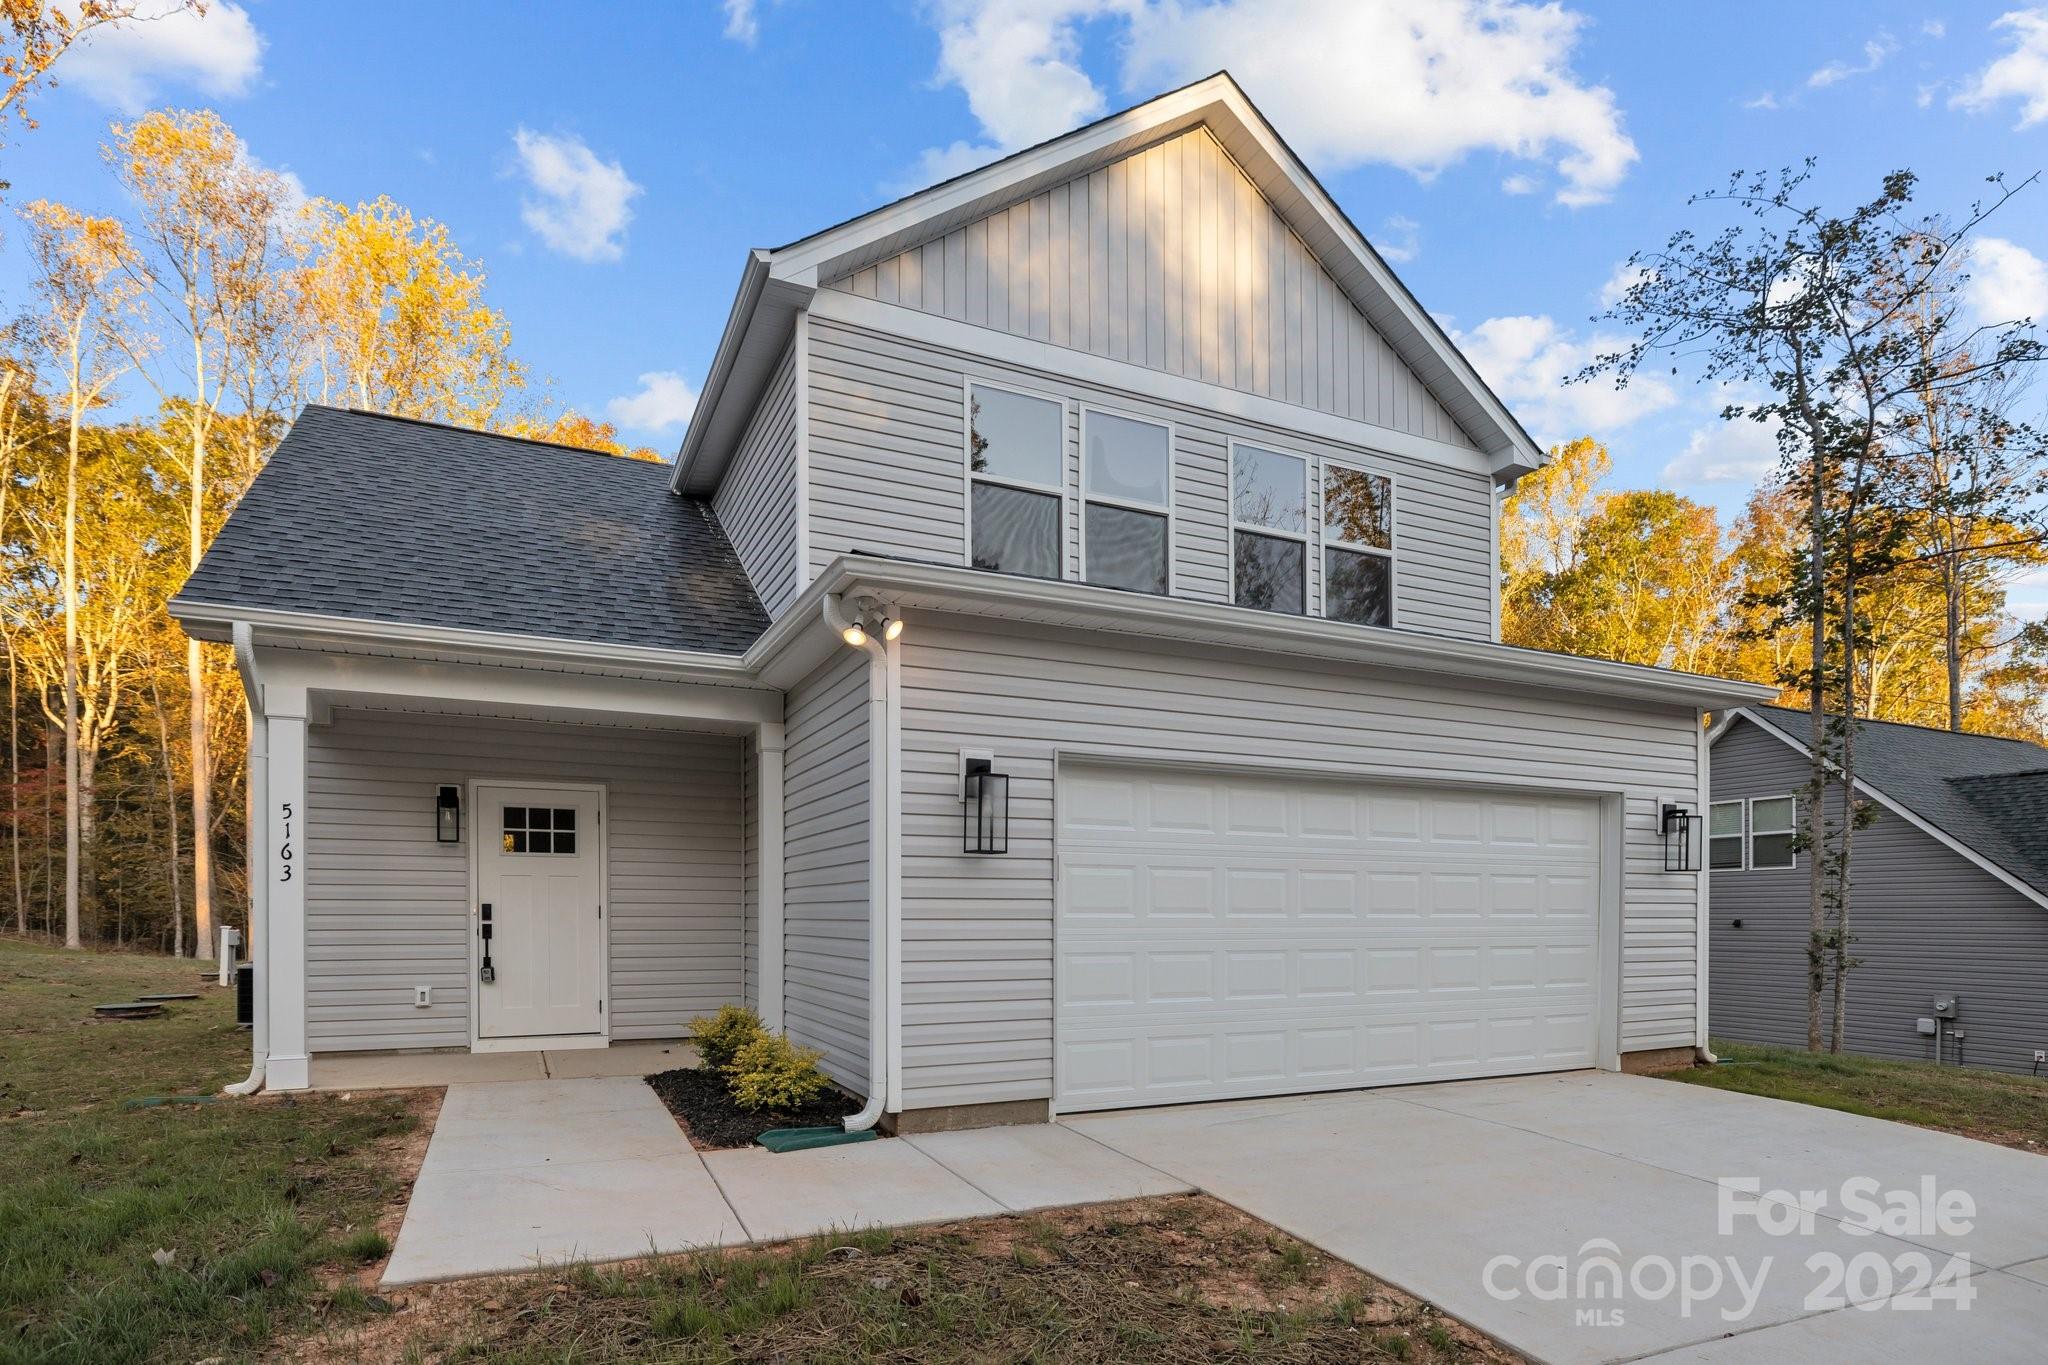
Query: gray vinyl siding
888 476
825 891
387 908
977 931
1169 258
757 500
1926 920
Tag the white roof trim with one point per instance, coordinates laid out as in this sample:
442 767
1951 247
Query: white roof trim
1898 808
1244 133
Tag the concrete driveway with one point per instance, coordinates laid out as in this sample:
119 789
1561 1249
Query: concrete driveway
1458 1192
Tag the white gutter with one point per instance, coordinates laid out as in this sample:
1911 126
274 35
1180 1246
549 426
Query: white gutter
259 887
881 900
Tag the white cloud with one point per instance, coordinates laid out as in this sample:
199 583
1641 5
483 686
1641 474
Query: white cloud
1934 28
2021 74
1874 53
741 23
665 401
218 52
2007 282
1624 278
581 204
1527 359
1518 184
1764 101
1400 239
1418 84
1739 451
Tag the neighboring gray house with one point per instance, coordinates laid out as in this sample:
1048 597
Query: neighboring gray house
1122 470
1949 890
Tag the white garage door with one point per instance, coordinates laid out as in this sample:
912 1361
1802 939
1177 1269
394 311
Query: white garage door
1223 937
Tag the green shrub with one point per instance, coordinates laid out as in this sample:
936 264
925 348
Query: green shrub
773 1073
720 1036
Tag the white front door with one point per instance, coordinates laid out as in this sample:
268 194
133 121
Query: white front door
1221 937
539 894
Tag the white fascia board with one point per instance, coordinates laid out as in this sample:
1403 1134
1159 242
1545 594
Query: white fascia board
944 587
971 343
1898 808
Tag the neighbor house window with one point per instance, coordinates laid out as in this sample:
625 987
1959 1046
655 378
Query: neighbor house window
540 829
1771 822
1269 529
1358 546
1016 448
1724 835
1127 502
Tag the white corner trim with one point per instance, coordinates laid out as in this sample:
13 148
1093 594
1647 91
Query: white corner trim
1900 809
1703 932
802 343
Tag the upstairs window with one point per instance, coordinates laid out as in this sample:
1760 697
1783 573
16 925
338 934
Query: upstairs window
1358 546
1269 529
1016 452
1771 822
1127 502
1724 836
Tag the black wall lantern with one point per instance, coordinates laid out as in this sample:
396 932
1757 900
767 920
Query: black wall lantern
1677 824
985 823
448 816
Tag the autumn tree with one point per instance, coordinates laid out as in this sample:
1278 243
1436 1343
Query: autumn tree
38 33
572 428
1811 308
398 317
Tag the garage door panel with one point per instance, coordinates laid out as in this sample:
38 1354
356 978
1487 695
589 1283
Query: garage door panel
1227 937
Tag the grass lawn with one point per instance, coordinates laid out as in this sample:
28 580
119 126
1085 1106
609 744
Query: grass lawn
1176 1280
1991 1105
262 1210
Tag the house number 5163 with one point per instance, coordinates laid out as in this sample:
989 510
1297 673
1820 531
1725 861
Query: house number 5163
284 846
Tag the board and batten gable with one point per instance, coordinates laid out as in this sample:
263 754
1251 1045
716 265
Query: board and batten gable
888 431
1169 258
825 880
978 960
757 502
1927 921
388 908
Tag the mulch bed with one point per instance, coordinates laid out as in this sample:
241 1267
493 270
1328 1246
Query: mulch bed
701 1103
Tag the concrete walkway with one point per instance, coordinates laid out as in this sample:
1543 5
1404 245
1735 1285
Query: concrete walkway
520 1174
1428 1187
412 1070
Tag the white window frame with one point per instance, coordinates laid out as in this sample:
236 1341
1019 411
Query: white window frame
1741 835
1128 504
1325 541
968 477
1311 508
1749 833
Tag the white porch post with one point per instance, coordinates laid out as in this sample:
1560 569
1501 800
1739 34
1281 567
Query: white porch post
768 875
285 874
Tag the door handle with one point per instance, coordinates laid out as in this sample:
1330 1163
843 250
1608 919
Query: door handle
485 972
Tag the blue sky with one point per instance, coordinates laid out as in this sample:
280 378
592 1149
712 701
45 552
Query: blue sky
612 171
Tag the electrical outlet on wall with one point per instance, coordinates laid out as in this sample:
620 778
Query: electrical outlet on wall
2040 1056
422 996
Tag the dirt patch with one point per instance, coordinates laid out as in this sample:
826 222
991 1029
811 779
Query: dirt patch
702 1104
1181 1279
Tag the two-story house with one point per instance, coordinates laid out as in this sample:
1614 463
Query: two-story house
1060 671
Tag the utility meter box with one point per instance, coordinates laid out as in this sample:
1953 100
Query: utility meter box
1945 1006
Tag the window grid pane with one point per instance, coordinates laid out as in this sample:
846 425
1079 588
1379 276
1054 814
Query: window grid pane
1016 436
1358 507
1358 588
1271 573
1724 851
1127 459
1126 549
1015 531
1269 489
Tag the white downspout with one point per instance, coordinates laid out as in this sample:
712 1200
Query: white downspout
880 820
258 794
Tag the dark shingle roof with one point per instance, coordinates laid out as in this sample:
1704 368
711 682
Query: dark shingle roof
387 519
1988 794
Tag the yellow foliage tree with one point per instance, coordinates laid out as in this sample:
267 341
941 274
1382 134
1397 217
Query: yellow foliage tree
572 428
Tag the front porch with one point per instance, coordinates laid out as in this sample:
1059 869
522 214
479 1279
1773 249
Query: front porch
602 880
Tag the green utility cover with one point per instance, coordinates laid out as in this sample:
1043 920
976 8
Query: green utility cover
803 1139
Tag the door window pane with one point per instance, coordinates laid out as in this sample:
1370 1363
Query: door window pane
1271 573
1269 489
1015 436
1127 460
1126 549
539 829
1358 507
1015 531
1358 588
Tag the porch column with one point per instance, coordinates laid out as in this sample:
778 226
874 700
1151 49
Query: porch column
286 874
768 869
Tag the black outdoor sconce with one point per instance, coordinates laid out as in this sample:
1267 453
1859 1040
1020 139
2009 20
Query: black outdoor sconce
985 823
1677 824
448 816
